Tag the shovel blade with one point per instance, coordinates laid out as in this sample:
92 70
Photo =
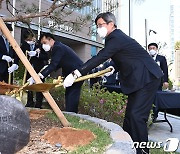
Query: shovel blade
40 87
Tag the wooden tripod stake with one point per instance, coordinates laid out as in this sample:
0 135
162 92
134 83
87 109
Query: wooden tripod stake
32 72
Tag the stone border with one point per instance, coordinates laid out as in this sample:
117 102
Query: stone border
122 142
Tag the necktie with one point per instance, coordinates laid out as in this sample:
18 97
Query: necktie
7 45
32 47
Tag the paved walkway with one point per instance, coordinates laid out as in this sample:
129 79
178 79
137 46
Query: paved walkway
160 132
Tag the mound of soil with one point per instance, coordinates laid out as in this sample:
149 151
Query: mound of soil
69 138
46 134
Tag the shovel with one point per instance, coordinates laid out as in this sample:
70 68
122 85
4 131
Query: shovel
42 87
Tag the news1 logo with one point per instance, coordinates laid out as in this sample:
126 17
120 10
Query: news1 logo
171 144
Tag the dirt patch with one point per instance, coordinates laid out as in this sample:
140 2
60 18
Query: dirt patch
69 138
46 134
4 87
36 113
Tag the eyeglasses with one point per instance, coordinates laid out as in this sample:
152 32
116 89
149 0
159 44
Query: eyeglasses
100 25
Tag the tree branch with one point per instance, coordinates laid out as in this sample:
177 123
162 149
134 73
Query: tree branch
48 11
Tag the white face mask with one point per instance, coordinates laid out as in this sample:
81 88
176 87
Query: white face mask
152 52
30 42
102 31
46 47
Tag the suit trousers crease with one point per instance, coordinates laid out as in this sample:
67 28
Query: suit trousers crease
137 112
72 96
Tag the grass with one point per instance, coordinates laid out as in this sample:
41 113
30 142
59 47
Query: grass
103 139
97 146
161 151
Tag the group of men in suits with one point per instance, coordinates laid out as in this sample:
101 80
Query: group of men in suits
140 75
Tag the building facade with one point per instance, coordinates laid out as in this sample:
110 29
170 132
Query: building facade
85 42
80 41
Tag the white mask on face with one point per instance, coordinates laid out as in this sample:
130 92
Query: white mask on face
152 52
102 31
30 42
46 47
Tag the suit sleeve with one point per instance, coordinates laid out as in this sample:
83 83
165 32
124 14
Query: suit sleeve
55 60
1 56
1 52
165 69
43 55
16 58
110 49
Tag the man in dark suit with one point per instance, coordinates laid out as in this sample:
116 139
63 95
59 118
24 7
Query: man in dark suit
63 57
8 58
161 61
139 75
38 59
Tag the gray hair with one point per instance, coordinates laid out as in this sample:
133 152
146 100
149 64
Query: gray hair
107 17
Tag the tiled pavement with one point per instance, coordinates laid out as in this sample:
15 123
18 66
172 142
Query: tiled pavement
160 132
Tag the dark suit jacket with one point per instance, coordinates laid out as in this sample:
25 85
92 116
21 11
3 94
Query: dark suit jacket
63 57
136 66
37 62
163 66
3 51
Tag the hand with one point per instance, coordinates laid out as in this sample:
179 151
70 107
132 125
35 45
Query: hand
31 81
13 68
40 75
7 58
110 73
69 80
32 53
165 85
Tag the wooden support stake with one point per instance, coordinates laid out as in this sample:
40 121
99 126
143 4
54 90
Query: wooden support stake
32 72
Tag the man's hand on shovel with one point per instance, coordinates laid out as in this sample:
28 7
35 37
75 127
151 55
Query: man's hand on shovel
42 87
32 81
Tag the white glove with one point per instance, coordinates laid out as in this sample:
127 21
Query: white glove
40 75
7 58
31 81
69 80
13 68
110 73
32 53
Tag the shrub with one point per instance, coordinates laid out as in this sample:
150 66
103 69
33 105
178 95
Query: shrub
98 102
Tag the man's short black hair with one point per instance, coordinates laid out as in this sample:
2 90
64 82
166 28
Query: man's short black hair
153 44
107 17
47 35
9 26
